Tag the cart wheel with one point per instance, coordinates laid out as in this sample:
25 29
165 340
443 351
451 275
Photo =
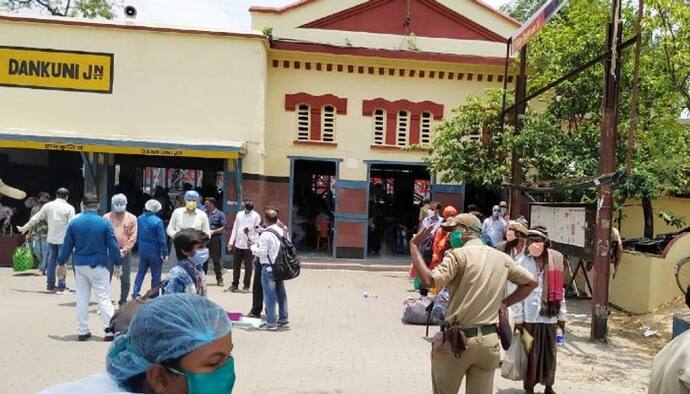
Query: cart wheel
683 274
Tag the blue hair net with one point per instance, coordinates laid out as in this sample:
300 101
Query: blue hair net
191 195
167 328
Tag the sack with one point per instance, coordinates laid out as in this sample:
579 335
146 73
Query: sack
22 258
440 308
416 310
504 330
123 317
515 362
287 263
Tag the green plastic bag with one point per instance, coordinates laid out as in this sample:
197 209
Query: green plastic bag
417 283
22 259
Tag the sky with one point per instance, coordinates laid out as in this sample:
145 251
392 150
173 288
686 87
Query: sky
218 14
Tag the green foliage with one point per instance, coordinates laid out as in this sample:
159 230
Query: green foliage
561 140
672 219
77 8
268 32
522 9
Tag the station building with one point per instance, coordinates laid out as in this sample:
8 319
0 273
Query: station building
324 109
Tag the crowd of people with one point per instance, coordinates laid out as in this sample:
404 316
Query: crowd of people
488 266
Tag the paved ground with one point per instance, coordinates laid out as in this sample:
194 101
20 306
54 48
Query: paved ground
340 342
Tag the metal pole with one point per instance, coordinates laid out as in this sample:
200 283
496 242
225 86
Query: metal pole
607 164
505 83
518 204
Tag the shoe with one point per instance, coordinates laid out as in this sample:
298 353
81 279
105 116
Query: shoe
84 337
220 283
109 336
234 289
284 325
253 315
269 328
60 291
51 290
246 290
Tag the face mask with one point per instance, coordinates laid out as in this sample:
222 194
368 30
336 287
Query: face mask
504 210
200 257
249 207
119 208
536 249
191 205
510 235
456 240
496 213
220 381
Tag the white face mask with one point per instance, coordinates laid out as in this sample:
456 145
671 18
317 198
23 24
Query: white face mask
430 213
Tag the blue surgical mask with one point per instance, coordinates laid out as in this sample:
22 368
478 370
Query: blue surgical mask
119 208
200 257
220 381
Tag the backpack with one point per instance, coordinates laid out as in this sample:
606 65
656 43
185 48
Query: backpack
287 264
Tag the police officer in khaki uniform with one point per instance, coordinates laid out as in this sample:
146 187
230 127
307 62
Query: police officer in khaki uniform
475 276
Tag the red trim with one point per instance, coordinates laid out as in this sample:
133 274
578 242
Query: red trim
293 100
319 143
414 129
310 47
69 22
428 18
391 125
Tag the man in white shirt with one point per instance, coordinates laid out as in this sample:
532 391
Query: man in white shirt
266 249
671 368
495 226
57 214
189 216
244 229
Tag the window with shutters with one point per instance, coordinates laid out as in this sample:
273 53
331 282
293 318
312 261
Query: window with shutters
328 123
303 121
379 126
425 128
403 128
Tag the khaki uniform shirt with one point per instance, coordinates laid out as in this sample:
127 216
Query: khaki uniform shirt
476 276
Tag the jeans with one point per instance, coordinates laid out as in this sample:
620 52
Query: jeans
155 263
274 291
40 248
125 280
242 257
95 279
53 252
257 291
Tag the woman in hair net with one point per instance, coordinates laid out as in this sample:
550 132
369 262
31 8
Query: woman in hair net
177 343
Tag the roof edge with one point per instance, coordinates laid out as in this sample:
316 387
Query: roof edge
129 26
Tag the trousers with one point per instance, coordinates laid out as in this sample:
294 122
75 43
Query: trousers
257 291
97 280
155 263
242 257
478 362
214 247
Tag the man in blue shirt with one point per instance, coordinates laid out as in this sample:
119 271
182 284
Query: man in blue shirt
92 240
152 246
217 221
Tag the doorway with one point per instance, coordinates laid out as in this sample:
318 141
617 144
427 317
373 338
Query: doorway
313 206
396 193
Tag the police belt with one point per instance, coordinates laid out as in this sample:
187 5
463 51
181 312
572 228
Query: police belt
474 331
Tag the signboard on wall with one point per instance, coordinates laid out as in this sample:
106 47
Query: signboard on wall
570 226
535 23
37 68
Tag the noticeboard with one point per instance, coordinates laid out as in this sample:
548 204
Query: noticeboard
53 69
570 226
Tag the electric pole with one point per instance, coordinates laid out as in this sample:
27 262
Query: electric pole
517 201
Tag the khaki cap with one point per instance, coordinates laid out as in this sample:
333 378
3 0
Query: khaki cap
517 227
450 222
470 221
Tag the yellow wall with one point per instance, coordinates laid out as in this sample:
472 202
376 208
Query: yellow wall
632 225
354 132
169 87
645 282
285 25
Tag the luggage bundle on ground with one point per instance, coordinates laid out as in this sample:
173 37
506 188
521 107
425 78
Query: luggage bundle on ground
429 310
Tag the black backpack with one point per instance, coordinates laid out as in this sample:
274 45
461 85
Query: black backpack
287 263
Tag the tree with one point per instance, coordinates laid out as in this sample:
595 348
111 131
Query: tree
76 8
522 9
561 140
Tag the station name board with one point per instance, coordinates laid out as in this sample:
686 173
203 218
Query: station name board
56 69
